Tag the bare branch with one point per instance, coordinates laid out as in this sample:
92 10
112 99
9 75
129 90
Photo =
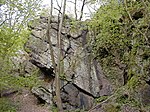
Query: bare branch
58 10
84 1
71 2
3 22
58 4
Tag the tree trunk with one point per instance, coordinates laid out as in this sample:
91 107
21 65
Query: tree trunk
57 80
49 38
75 9
60 61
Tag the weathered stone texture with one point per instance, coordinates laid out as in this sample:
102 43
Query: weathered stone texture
81 69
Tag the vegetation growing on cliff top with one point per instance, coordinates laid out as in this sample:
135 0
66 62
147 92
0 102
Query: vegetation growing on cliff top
122 39
121 43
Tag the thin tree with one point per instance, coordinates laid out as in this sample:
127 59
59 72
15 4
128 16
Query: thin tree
60 61
57 80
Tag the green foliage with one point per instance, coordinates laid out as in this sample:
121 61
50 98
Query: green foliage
11 41
29 81
121 38
54 109
11 81
121 43
134 82
124 99
7 106
13 35
101 98
62 77
16 14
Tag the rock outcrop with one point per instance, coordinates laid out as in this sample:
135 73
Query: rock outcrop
84 79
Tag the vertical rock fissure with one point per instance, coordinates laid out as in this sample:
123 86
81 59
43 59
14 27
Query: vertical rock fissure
95 63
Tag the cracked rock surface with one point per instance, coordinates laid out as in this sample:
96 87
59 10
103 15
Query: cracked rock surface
82 71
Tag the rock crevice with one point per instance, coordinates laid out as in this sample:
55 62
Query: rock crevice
81 69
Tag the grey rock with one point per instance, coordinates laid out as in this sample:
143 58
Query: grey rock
74 99
128 108
80 66
42 93
145 95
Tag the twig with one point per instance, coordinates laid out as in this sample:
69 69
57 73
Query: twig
101 103
105 100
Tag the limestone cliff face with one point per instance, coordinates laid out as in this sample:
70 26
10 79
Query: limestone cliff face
84 77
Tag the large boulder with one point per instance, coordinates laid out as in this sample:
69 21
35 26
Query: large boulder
81 69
